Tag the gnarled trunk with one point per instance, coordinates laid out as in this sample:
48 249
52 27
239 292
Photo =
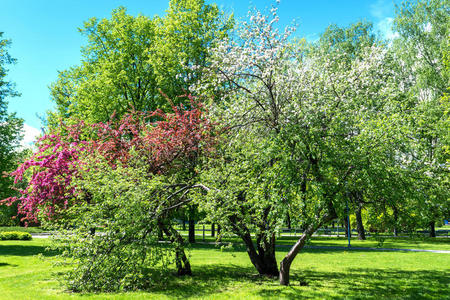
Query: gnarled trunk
181 260
262 257
213 229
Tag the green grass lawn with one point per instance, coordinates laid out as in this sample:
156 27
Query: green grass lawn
224 274
371 242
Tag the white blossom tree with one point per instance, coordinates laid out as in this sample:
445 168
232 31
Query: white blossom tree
300 120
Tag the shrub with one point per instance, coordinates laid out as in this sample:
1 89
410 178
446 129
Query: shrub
15 235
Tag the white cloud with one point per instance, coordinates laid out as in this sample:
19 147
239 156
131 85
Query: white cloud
384 26
382 11
30 135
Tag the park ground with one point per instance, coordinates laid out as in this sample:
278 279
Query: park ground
27 272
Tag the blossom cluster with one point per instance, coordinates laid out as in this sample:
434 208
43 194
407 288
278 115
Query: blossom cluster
162 139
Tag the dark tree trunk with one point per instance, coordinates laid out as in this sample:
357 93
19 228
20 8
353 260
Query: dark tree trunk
288 221
264 260
285 264
213 229
263 255
181 260
191 224
218 229
160 234
184 225
359 222
191 231
432 229
92 231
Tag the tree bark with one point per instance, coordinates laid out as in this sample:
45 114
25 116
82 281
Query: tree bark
359 222
181 260
288 221
191 231
285 264
263 255
92 230
264 260
213 229
432 229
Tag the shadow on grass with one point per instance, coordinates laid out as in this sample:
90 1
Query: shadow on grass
369 283
361 283
2 264
25 250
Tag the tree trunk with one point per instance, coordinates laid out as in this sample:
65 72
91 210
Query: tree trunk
359 223
181 260
285 264
184 225
432 229
262 257
191 231
288 221
264 260
213 229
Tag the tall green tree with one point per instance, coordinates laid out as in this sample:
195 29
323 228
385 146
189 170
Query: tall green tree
113 75
423 44
10 127
128 61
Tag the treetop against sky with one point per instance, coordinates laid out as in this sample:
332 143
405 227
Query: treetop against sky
45 37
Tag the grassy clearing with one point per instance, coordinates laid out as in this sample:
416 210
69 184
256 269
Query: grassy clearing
227 273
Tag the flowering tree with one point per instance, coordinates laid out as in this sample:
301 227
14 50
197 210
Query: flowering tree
301 120
94 174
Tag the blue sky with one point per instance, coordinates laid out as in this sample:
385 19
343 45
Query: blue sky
45 38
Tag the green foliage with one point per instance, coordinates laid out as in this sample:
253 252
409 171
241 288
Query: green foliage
128 61
125 254
10 133
15 235
183 39
6 215
421 50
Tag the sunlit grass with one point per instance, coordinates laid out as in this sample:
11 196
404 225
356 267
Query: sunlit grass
227 273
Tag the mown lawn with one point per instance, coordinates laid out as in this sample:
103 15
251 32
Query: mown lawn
227 273
370 242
